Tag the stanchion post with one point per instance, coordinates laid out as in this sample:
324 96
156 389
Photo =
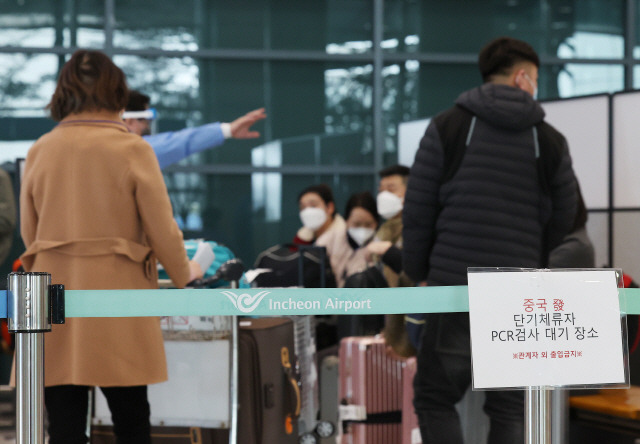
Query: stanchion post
538 416
29 316
559 416
233 427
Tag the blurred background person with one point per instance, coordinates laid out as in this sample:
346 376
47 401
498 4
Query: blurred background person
347 247
350 260
387 246
318 215
95 214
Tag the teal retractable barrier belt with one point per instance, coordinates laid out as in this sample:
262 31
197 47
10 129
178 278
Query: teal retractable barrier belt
276 301
281 301
265 302
630 297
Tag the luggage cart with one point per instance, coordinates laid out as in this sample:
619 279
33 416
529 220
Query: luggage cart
200 399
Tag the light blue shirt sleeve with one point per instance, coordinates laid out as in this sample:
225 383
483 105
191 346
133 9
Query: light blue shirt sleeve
173 146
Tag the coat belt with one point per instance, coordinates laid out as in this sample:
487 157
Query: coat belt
89 247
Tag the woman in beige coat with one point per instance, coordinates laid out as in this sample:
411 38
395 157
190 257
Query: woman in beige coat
96 215
346 247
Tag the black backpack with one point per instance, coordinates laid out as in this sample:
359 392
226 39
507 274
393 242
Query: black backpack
295 265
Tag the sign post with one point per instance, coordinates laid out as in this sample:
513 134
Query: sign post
538 416
544 330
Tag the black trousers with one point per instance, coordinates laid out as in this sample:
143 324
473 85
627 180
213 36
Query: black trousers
67 410
443 377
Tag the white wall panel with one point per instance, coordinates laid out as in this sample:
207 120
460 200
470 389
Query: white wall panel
585 124
626 243
626 149
409 135
598 230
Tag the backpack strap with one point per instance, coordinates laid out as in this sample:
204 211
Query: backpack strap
549 145
455 127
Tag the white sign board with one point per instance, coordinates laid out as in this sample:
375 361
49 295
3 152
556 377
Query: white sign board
545 328
409 136
584 122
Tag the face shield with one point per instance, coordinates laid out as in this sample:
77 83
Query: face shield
149 114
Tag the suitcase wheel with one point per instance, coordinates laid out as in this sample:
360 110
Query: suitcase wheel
308 438
325 429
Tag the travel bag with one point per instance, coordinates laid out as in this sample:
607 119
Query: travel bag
327 427
370 392
268 390
293 265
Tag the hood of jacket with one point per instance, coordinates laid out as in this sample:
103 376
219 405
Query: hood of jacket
502 106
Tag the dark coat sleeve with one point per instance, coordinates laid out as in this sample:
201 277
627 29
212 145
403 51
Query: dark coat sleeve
393 259
421 205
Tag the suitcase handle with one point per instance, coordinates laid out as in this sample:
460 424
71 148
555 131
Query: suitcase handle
286 365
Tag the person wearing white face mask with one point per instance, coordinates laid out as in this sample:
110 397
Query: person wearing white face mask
491 185
387 247
317 214
387 244
347 248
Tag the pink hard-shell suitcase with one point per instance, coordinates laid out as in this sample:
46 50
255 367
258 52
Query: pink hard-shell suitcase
371 381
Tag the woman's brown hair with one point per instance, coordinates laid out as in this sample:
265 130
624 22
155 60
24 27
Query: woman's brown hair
89 81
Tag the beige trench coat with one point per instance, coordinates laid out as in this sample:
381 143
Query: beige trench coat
95 214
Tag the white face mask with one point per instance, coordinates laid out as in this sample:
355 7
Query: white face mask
389 204
360 235
313 218
534 87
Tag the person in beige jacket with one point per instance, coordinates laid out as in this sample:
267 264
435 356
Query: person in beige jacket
346 247
95 214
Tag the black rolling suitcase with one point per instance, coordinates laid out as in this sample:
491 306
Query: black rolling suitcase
268 391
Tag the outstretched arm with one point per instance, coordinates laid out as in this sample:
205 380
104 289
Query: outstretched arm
171 147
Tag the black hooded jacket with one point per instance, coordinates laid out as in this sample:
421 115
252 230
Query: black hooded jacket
495 208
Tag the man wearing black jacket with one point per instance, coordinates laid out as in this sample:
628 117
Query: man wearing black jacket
491 186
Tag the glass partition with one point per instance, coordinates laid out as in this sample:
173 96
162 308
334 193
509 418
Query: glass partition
334 26
45 24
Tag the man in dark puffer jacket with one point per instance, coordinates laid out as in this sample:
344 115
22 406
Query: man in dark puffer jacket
491 186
